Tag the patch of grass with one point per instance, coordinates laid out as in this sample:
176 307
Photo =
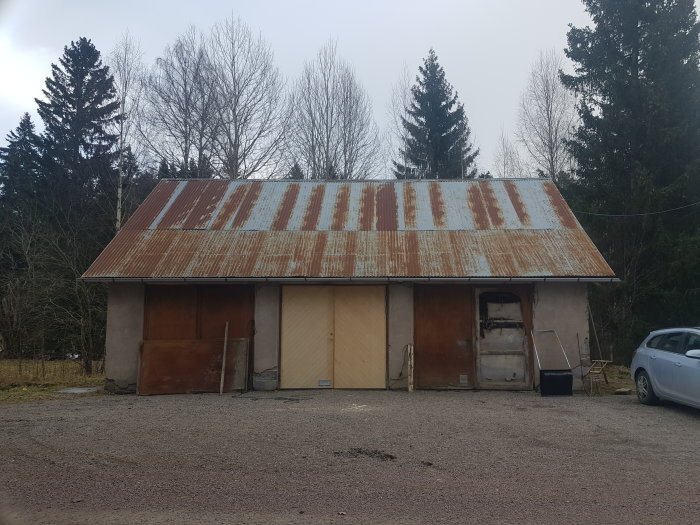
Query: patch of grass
35 380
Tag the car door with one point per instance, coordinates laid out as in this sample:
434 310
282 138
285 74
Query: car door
688 372
663 364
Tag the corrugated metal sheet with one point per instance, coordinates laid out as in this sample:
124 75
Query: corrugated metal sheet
404 229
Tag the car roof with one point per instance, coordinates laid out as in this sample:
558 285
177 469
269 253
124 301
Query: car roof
676 329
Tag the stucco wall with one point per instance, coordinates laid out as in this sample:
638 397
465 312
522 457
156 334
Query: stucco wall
124 335
267 336
562 307
400 331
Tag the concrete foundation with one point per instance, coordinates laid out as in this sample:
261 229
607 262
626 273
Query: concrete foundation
124 336
562 307
267 337
400 332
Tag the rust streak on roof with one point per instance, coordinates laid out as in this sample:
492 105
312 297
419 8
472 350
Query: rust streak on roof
229 208
437 204
179 209
409 206
313 208
387 208
151 207
476 205
206 204
494 211
562 210
247 205
340 210
317 254
412 248
367 206
284 212
348 267
517 202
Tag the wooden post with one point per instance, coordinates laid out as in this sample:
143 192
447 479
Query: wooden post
410 368
223 361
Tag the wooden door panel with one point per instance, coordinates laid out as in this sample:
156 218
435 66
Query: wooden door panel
360 337
443 325
306 344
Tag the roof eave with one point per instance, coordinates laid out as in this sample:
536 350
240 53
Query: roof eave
168 280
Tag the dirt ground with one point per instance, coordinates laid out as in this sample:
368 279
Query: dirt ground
349 457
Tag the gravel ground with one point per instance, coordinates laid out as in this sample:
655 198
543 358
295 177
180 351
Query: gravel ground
349 457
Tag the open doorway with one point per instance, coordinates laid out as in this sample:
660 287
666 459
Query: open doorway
502 343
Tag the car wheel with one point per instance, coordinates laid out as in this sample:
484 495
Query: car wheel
645 392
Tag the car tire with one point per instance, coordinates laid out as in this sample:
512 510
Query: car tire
645 392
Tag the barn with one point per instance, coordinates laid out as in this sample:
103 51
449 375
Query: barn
326 284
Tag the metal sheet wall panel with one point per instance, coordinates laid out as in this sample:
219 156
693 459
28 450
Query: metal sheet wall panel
443 324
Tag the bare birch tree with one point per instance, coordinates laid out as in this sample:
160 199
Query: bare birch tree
125 62
507 161
178 121
546 118
250 116
397 111
332 133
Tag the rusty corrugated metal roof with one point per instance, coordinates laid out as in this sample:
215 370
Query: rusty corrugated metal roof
494 228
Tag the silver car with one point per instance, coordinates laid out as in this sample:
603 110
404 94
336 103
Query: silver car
667 366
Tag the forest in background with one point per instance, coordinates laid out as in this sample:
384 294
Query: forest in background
620 135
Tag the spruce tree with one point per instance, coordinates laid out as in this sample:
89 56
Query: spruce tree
20 161
637 149
79 109
79 194
295 173
437 145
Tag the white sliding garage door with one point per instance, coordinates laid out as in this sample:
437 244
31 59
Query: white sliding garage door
333 336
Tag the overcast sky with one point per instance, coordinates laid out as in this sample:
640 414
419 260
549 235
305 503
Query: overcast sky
485 47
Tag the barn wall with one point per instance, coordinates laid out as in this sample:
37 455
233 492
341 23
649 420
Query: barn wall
400 331
562 307
123 338
267 337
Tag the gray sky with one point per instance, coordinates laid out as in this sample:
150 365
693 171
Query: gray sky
485 47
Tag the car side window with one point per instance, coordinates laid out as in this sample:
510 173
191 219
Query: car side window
672 342
655 342
693 342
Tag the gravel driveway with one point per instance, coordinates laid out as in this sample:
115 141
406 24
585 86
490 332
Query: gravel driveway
349 457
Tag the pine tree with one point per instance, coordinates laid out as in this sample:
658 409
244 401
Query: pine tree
20 161
79 108
638 152
437 144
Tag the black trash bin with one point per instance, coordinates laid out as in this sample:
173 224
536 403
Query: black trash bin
556 382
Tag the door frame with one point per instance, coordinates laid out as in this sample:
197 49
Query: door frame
525 293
